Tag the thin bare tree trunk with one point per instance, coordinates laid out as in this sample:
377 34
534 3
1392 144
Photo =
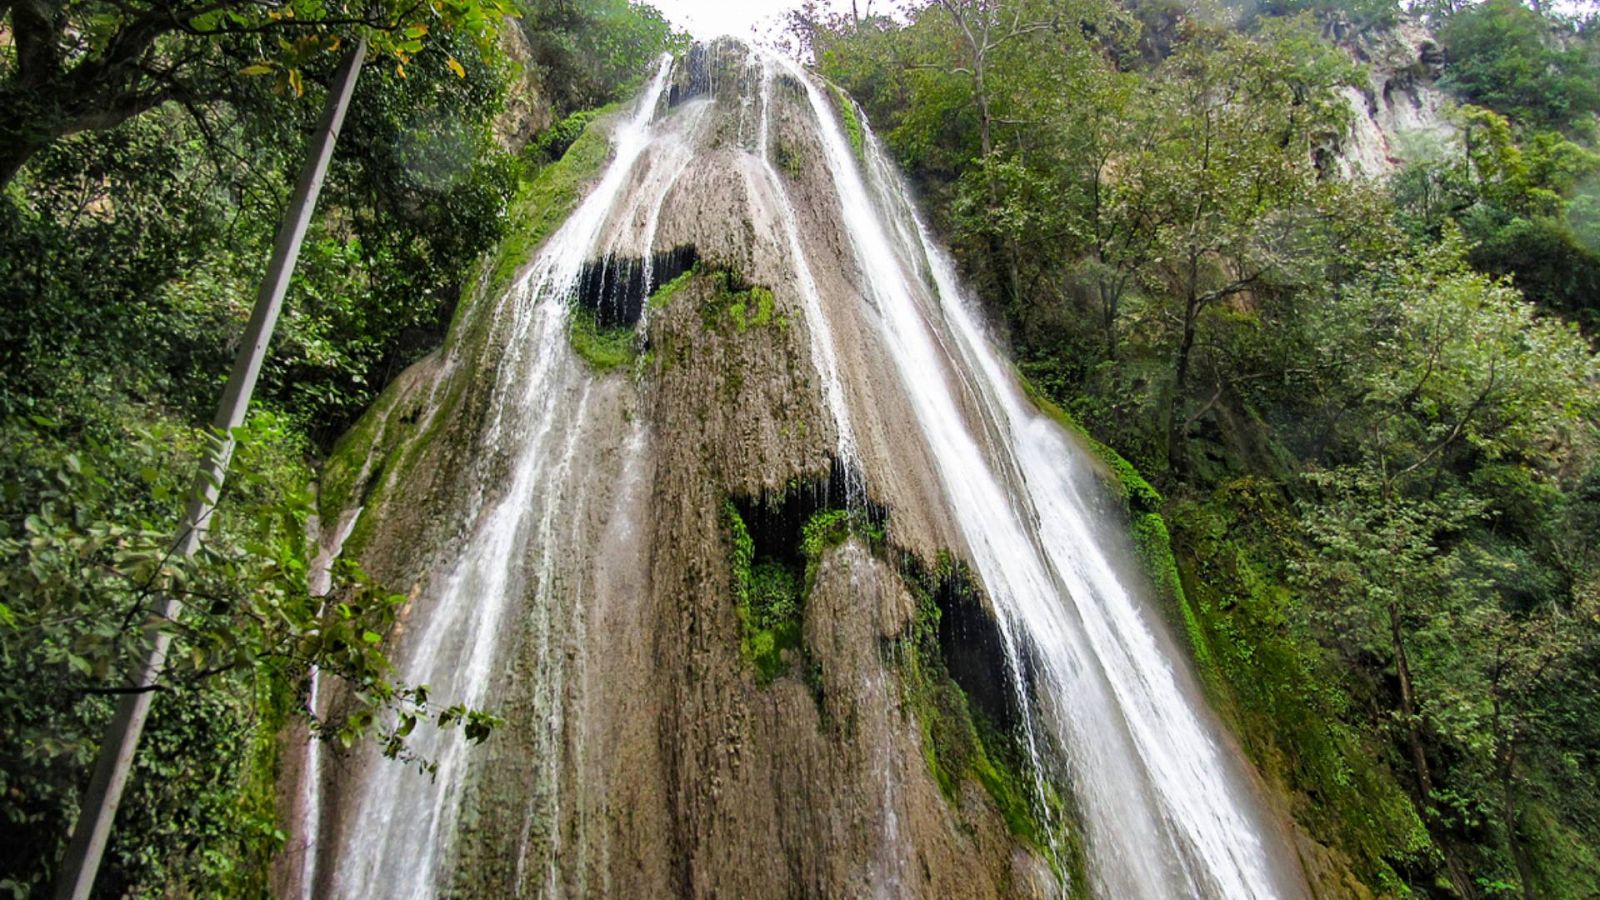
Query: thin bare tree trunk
121 741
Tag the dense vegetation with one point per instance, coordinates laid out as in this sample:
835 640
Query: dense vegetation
149 152
1368 404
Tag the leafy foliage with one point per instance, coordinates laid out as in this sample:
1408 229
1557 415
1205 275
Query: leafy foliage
84 594
88 66
594 52
1510 58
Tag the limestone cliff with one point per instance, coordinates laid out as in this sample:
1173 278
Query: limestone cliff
1401 112
719 494
644 754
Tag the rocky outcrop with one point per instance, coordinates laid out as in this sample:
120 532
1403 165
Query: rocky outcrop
527 110
1400 113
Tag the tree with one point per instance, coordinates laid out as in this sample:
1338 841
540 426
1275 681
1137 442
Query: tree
1382 577
1222 176
79 591
1507 57
1465 408
985 27
86 65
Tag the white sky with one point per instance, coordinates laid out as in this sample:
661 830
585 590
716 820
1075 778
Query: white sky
707 19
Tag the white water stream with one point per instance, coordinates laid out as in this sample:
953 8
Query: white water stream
1168 809
403 827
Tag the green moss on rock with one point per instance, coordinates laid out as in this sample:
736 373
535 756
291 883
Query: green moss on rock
770 602
603 348
961 741
771 586
663 295
546 196
734 301
852 122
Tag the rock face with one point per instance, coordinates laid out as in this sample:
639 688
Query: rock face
643 754
527 110
1401 113
780 587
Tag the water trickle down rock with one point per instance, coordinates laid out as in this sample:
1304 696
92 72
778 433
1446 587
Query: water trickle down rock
566 539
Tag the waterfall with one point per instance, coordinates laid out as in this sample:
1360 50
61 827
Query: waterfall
403 826
1167 811
1167 807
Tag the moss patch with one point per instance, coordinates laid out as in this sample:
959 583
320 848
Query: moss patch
342 471
258 792
964 737
607 342
735 302
603 348
547 195
787 158
663 295
852 122
777 543
770 601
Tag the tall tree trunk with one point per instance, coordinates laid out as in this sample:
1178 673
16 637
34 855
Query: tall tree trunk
1110 297
1177 427
1408 707
15 152
1002 252
1510 816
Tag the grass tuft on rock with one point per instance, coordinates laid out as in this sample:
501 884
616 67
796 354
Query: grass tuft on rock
604 349
777 543
852 123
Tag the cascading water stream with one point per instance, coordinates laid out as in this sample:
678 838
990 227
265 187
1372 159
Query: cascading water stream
404 824
824 357
1168 813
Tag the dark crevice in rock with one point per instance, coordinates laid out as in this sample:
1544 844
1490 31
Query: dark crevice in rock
777 519
957 678
695 78
614 289
974 650
778 540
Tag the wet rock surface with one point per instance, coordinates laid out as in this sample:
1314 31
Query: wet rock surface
565 536
641 753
